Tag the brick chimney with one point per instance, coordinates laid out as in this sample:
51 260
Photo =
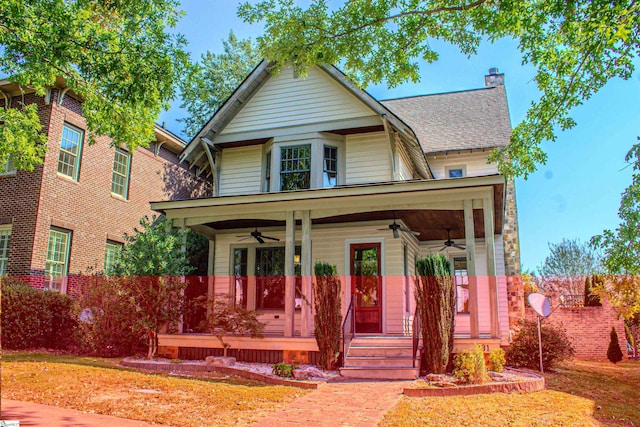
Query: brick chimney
494 78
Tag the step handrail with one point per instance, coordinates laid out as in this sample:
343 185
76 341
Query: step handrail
350 323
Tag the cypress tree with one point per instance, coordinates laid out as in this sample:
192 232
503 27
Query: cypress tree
614 354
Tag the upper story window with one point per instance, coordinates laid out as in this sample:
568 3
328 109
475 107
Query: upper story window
9 167
57 266
295 167
330 166
455 171
70 151
462 284
5 235
121 173
267 172
111 251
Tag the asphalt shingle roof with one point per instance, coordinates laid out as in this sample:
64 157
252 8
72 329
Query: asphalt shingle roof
462 120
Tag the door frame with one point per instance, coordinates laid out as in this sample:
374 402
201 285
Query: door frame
383 269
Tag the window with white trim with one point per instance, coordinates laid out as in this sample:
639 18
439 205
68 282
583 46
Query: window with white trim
5 236
70 151
459 171
267 172
111 251
462 284
121 173
295 167
57 266
9 167
330 167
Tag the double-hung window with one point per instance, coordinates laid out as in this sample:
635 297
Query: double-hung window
70 151
57 266
111 251
241 280
267 172
5 236
121 172
295 167
9 167
330 167
462 284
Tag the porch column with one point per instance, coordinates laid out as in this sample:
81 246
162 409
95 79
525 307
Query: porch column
489 238
305 271
183 249
210 272
470 240
289 274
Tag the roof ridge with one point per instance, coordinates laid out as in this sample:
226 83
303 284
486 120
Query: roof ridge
436 94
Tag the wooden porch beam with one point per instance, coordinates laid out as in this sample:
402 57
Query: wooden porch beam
470 242
289 271
489 238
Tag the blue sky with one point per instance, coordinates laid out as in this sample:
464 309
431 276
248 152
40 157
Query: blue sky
575 195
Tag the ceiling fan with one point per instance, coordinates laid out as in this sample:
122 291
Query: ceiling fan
449 243
258 236
396 228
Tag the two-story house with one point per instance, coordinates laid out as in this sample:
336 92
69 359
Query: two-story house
316 169
71 212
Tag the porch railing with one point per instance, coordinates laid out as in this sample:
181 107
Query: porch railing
416 327
348 328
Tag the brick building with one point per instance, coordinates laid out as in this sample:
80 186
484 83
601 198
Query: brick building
70 213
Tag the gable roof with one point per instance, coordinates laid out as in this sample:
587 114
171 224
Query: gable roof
260 74
464 120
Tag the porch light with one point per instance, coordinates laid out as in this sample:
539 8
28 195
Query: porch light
296 258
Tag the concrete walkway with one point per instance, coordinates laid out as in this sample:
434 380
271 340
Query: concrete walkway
339 404
33 414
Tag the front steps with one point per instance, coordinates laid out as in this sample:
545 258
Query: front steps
380 357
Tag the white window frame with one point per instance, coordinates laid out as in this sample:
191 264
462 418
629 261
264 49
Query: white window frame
5 242
77 156
126 176
111 249
448 169
464 281
312 170
9 167
58 282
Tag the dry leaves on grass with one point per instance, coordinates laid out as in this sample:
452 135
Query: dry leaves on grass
571 399
146 397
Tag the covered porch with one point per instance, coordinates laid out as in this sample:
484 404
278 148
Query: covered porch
330 225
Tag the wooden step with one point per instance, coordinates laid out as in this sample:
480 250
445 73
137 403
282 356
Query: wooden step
380 373
379 351
381 341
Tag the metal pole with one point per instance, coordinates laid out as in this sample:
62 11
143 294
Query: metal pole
540 345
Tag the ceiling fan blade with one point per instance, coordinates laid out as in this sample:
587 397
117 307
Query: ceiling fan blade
406 230
270 238
396 234
259 239
443 248
455 245
244 238
383 229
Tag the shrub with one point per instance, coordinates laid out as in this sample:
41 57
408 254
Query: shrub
436 301
470 367
32 318
284 369
592 282
497 360
524 352
107 319
614 353
327 318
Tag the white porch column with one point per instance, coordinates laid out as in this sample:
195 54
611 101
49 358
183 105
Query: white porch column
183 249
305 271
470 241
289 273
211 272
489 238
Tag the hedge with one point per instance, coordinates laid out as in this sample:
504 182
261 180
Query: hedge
32 318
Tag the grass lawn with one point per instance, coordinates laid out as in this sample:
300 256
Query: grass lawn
572 397
100 386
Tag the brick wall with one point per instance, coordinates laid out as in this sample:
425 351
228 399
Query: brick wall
36 201
588 328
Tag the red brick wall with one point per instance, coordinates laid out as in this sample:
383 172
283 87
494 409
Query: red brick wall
85 207
588 328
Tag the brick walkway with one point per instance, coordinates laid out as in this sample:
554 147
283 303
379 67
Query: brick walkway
339 404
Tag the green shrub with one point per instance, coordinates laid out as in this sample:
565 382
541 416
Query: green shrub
284 369
523 351
470 367
614 354
497 360
327 317
32 318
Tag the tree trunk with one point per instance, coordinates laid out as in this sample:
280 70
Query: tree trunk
153 344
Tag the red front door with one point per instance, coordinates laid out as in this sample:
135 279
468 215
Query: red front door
366 286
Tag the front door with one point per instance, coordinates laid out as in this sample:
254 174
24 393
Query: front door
366 286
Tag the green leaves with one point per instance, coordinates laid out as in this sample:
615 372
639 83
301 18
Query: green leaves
116 56
576 47
21 137
208 83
